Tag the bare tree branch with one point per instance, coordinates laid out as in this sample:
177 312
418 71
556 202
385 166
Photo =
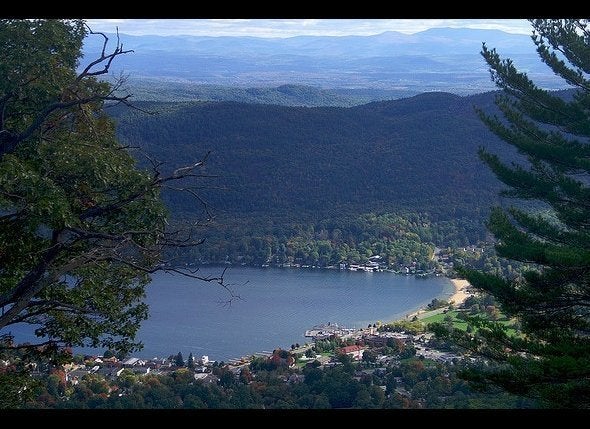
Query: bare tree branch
104 60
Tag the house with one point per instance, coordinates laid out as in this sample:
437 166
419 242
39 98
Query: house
76 375
355 352
206 378
108 372
131 362
375 262
141 370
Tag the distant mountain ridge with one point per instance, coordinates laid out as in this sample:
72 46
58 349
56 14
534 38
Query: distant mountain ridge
154 89
429 42
442 59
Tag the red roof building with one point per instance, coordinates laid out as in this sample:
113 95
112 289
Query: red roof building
356 352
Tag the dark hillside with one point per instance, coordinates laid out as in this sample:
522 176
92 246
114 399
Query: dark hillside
416 154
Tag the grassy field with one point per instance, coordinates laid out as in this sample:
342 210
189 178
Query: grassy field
461 324
457 323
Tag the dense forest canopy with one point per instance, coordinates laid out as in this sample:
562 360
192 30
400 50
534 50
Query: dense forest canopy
325 167
385 156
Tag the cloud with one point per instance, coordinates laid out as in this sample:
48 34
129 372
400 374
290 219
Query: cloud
309 22
296 27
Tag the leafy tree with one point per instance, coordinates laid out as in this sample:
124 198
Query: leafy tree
226 377
370 356
407 352
16 388
190 362
245 375
551 131
178 360
437 303
81 225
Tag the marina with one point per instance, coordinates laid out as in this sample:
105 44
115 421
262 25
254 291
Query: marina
323 331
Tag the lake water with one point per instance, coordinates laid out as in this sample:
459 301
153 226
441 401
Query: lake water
275 309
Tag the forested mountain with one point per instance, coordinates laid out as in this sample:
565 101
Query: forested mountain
418 154
298 174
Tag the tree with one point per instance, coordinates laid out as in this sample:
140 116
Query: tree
407 351
190 362
226 377
81 225
369 356
245 375
548 226
178 360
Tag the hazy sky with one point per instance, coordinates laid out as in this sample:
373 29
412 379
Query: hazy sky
295 27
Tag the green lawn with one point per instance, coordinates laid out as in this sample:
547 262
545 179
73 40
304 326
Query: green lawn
438 317
461 324
506 322
457 323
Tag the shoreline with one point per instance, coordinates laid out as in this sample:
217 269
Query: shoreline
459 296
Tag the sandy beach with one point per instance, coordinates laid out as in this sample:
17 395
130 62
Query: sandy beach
460 294
457 298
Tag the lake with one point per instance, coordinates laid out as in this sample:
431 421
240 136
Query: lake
275 309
